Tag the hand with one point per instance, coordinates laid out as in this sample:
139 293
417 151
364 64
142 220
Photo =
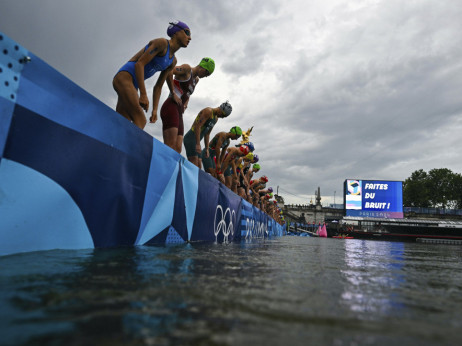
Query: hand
144 102
221 177
153 117
207 152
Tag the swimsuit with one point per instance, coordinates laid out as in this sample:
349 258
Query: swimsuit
190 137
158 63
172 116
208 125
229 170
209 162
184 88
171 113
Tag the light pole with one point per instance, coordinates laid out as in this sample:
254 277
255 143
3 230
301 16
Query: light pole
334 197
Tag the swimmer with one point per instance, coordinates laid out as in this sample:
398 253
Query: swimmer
255 169
228 171
243 166
217 149
181 88
157 56
201 128
256 186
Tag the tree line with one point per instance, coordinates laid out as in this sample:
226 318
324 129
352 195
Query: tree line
439 188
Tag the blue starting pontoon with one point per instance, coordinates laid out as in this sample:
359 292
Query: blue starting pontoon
74 174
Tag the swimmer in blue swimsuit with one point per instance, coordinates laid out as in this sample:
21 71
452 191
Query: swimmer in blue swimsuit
157 56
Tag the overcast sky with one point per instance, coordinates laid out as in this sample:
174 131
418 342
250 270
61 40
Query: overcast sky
335 89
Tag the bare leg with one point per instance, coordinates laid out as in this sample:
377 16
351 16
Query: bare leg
128 99
234 187
121 110
170 137
179 144
194 160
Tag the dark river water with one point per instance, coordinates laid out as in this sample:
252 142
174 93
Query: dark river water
284 291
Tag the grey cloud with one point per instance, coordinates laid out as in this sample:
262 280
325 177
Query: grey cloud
247 60
371 91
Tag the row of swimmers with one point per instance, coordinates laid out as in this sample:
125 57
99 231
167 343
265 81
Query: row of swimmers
229 164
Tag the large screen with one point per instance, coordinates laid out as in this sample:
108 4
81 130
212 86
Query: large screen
373 198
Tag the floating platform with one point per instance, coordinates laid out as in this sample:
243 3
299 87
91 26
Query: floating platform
402 229
75 174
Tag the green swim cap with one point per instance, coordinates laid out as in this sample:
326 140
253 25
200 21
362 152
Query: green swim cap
208 64
256 166
236 130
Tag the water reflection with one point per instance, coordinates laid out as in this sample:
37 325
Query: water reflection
140 294
283 291
373 274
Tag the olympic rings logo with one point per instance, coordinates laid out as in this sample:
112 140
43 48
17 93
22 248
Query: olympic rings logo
222 226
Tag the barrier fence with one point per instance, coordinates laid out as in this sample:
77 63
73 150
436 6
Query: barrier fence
74 174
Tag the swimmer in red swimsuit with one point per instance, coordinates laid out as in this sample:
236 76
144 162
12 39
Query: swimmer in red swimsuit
181 88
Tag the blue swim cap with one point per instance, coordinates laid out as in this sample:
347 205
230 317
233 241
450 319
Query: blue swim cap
250 145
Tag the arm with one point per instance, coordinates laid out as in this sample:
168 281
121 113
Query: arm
225 162
249 174
156 47
198 123
244 179
220 152
156 94
258 188
158 89
218 147
206 143
254 188
186 104
234 166
247 186
170 85
237 164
